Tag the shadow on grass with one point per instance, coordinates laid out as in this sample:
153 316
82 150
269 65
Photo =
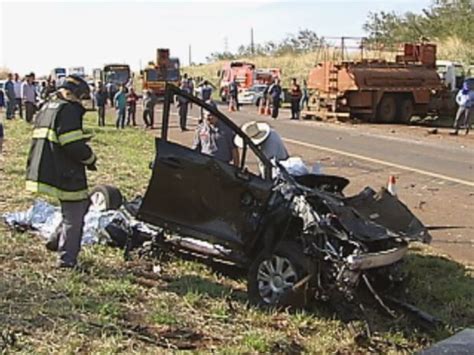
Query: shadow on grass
439 286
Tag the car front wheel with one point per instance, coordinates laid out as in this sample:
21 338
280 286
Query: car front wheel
271 277
105 197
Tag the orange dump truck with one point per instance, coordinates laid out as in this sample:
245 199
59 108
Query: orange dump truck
379 90
165 70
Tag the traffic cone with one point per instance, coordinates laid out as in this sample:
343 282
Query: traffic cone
268 112
391 186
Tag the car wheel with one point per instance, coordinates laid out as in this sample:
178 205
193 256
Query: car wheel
105 197
257 103
272 277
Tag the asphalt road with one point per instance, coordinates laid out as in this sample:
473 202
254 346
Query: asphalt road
445 160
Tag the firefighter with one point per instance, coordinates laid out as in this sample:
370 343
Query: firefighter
57 162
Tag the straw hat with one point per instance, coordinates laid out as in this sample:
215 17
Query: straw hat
256 131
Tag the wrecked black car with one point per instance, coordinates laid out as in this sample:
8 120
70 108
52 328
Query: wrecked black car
288 232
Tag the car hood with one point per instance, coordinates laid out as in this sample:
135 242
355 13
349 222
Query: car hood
367 216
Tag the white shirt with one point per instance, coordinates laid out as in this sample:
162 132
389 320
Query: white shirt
17 88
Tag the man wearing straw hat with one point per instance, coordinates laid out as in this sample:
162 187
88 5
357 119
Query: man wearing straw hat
266 138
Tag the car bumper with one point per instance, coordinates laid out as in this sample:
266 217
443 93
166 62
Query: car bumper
375 260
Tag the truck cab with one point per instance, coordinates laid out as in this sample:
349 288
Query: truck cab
451 73
242 72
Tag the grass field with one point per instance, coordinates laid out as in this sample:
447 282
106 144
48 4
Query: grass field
117 306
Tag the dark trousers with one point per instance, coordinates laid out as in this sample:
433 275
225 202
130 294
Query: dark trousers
30 109
295 109
183 116
148 118
120 122
19 106
71 234
101 115
132 109
275 107
10 109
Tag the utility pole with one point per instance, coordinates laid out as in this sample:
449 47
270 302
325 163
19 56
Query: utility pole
226 44
252 44
189 55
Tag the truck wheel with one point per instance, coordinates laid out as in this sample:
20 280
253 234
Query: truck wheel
105 197
271 277
405 111
387 109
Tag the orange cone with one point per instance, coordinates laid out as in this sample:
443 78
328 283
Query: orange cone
268 112
391 186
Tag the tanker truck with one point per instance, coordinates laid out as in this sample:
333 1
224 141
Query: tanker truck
379 90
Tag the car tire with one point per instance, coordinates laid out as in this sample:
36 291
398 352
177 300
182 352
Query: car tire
105 197
257 103
267 292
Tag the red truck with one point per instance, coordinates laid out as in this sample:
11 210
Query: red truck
242 72
380 90
266 75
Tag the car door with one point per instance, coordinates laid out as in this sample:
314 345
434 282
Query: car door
199 196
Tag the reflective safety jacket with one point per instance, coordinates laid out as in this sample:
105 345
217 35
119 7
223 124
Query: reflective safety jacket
59 153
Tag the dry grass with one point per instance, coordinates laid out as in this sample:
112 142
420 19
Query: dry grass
116 306
298 66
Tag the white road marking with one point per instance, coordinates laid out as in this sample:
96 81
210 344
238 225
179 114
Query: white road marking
381 162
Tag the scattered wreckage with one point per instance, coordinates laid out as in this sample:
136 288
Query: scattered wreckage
292 234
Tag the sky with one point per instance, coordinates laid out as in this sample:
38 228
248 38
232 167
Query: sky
38 36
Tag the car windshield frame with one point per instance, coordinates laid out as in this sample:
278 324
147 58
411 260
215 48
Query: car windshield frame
172 90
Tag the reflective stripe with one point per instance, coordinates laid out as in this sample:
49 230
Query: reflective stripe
45 133
90 160
71 136
39 187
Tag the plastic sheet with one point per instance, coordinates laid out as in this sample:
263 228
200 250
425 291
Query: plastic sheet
44 218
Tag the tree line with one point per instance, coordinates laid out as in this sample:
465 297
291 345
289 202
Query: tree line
442 21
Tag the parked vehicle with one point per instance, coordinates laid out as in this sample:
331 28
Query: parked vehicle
266 75
291 234
253 95
165 70
452 74
79 71
242 72
116 74
381 91
58 74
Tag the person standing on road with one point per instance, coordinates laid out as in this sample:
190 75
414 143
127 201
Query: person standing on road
182 104
295 93
214 138
132 99
234 95
304 97
120 104
149 101
100 97
17 85
465 100
28 95
9 90
206 94
275 95
57 162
